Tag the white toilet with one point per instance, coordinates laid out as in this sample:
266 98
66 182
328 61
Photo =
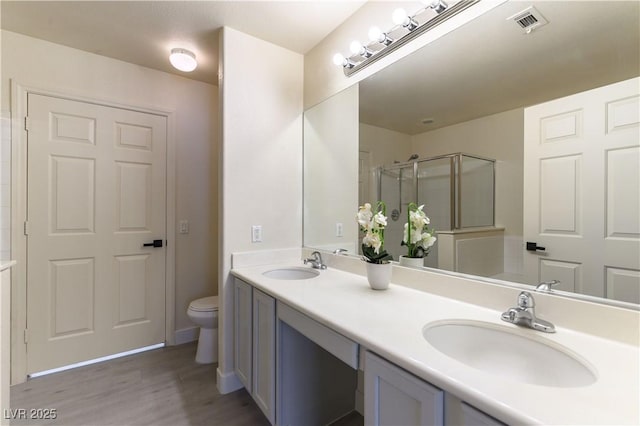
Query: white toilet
204 312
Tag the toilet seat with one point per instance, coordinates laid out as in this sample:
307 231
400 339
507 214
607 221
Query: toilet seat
204 304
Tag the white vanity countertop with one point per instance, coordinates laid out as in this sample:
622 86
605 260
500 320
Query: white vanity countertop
6 264
390 323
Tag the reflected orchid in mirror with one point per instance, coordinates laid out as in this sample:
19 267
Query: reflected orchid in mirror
373 224
418 237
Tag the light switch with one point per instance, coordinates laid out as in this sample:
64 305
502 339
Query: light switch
184 227
339 230
256 234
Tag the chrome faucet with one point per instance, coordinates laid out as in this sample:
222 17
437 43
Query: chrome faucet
545 286
316 261
524 314
340 251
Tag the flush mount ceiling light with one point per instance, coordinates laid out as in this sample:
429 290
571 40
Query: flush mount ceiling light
406 28
183 59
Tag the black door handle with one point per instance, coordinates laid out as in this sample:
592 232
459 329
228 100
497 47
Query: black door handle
155 243
534 247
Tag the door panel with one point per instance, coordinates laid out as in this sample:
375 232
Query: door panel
560 202
96 194
582 186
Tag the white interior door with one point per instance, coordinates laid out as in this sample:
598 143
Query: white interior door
96 194
582 191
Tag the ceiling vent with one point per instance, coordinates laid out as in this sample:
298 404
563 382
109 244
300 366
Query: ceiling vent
529 19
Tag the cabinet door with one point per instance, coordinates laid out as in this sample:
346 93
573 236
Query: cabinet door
474 417
264 353
242 325
394 397
459 413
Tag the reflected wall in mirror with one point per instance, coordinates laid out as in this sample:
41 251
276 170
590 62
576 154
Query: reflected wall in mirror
468 92
331 172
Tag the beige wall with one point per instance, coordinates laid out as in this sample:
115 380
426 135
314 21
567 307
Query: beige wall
40 64
385 146
499 136
261 143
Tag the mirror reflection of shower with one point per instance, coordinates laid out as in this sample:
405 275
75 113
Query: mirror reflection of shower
452 187
395 211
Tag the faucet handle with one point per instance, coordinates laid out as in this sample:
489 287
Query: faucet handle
546 285
340 251
525 300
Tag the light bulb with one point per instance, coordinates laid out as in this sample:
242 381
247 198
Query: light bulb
438 5
338 59
376 34
183 59
356 47
399 16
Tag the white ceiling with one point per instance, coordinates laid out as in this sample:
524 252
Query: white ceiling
143 32
490 65
487 66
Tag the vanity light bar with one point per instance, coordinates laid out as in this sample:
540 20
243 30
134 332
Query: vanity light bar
382 43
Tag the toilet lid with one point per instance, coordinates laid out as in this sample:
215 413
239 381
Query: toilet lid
205 304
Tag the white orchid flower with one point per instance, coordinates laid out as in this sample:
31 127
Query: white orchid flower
427 221
418 218
428 240
380 220
365 216
372 240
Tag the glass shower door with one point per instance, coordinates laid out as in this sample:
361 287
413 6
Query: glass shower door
397 190
476 192
434 191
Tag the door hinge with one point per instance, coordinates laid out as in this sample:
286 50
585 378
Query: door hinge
26 123
26 336
26 228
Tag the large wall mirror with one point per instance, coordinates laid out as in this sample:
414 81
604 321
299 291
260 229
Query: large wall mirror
445 127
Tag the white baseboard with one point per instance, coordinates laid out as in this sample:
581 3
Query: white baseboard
187 335
227 382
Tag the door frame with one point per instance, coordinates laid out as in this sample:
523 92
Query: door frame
19 94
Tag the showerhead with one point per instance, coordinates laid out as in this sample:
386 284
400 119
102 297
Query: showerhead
413 157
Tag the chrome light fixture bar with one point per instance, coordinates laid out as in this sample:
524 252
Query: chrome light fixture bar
368 54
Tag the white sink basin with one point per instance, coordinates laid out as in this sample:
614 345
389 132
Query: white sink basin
502 351
292 273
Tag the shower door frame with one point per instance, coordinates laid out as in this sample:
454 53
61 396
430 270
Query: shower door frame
455 198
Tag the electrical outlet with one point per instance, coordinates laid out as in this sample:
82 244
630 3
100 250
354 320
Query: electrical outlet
184 227
339 229
256 234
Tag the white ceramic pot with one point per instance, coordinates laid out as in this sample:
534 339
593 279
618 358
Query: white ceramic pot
379 275
412 262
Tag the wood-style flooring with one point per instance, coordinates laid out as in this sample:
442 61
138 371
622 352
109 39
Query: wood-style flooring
160 387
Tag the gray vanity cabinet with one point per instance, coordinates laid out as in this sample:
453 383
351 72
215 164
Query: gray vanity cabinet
254 344
394 397
459 413
242 331
264 353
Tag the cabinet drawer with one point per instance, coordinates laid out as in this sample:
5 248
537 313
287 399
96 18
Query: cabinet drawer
336 344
